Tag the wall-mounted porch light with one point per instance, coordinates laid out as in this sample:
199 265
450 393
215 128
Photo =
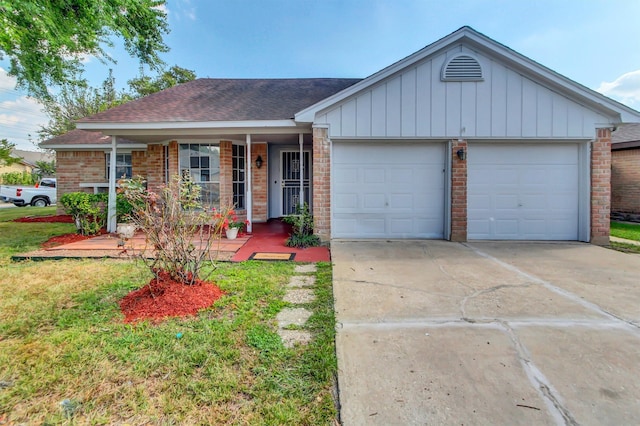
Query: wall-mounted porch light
259 161
461 153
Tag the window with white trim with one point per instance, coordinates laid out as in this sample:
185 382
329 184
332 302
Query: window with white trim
239 163
202 162
123 166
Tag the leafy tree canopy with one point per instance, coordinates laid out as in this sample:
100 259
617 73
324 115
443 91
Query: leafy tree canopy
5 153
145 85
45 41
75 101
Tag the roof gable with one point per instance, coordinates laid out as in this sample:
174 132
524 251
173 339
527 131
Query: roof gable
478 43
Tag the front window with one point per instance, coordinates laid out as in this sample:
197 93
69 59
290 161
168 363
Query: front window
123 166
238 176
202 162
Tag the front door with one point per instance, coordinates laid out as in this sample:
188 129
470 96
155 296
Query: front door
290 169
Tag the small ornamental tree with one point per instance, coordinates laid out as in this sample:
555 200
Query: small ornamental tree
178 230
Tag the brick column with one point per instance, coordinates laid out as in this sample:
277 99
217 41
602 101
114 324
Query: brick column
601 187
174 167
322 183
259 181
226 173
155 167
458 193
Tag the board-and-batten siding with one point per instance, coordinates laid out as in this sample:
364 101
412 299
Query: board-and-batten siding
415 103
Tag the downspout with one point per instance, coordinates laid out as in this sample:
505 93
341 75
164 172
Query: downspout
301 194
111 205
248 164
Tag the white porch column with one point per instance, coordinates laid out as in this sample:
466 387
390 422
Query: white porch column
111 205
249 185
301 195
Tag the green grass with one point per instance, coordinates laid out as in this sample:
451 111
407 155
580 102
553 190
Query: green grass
62 338
626 248
628 231
10 213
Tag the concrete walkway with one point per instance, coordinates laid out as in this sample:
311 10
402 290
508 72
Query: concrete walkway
433 332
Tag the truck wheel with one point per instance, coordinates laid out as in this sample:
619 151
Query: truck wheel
39 202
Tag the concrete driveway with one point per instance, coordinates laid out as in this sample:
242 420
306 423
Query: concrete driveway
492 333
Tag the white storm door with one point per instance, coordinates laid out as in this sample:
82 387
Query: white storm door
523 192
390 190
290 169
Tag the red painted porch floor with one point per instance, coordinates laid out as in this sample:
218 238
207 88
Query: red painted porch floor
266 238
269 237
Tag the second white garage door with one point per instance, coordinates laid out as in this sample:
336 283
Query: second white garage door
388 190
523 192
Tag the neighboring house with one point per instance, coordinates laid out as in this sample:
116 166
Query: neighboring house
27 163
464 139
625 172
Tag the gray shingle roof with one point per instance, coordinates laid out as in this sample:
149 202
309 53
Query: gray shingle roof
627 135
626 132
82 137
209 99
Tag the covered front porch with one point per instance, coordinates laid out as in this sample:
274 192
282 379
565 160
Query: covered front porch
265 242
264 176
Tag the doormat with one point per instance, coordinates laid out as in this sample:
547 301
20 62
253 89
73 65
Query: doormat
272 256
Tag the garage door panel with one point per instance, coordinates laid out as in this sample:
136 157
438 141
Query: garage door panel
373 176
398 191
523 192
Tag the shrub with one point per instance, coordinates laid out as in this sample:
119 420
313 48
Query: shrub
88 210
302 223
18 178
179 231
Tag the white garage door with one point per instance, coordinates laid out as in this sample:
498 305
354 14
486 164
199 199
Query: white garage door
388 191
523 192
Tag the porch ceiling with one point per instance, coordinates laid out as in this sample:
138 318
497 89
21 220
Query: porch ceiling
275 138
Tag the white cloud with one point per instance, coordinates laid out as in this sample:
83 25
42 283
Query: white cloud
625 89
20 118
6 82
184 10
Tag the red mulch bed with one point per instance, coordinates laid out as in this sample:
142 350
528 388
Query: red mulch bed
59 240
164 297
61 218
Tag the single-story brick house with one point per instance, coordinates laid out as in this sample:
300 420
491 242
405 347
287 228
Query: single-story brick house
464 139
625 171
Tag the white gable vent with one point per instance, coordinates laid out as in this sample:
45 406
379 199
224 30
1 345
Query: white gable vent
463 67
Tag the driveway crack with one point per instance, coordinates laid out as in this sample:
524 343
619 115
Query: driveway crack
544 387
463 303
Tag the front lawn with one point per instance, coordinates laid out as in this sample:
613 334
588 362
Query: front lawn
629 231
66 357
11 213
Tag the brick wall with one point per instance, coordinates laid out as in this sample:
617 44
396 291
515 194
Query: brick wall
155 167
458 193
259 181
138 163
75 167
625 181
601 187
322 183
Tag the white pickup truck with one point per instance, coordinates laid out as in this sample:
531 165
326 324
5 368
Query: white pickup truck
41 195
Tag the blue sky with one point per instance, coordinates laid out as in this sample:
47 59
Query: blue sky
596 43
